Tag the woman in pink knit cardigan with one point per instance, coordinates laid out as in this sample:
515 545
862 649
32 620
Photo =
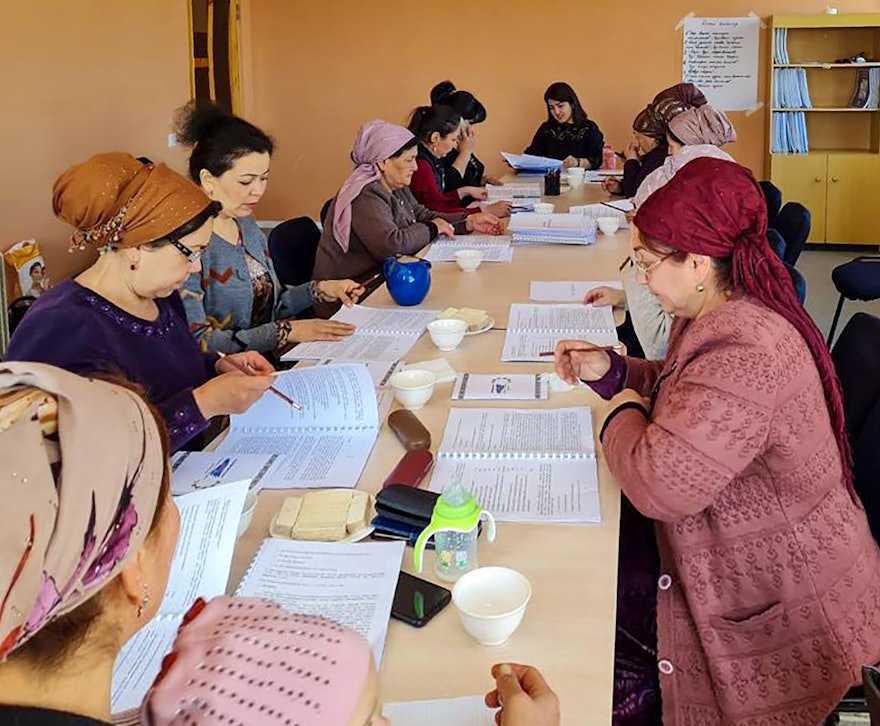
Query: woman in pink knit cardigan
768 598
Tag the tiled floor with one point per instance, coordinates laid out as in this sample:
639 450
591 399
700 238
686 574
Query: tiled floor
816 267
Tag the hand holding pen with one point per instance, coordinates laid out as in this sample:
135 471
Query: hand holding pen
252 363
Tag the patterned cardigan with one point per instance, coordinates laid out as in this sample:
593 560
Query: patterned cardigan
220 298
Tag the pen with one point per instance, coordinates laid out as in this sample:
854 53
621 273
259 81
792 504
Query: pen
627 261
282 396
547 353
375 277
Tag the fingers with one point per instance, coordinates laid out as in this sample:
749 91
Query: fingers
491 699
592 296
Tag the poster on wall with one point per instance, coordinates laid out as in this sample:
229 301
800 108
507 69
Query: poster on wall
721 58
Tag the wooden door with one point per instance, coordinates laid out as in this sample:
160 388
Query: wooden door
852 213
802 178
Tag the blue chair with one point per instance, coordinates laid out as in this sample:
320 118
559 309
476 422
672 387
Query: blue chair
800 284
293 245
776 242
871 683
773 197
858 279
793 222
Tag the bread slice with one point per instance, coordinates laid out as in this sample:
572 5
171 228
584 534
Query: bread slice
474 317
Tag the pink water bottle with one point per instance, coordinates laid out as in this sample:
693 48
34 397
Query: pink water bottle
609 158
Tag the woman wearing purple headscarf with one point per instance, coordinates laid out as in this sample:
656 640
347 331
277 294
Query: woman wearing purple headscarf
375 215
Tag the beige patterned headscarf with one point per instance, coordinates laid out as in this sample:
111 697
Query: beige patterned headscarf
81 473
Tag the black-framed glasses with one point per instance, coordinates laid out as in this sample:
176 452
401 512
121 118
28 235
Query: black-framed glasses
192 256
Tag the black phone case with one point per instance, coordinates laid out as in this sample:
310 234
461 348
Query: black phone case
428 616
406 501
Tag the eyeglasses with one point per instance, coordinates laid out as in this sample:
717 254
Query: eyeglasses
647 269
192 256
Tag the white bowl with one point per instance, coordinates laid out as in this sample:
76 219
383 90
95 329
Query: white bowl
247 513
608 225
544 208
576 171
491 602
469 260
447 334
413 389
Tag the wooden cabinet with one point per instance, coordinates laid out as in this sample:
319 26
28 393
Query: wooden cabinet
802 178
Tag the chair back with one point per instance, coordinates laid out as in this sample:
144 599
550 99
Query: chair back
293 245
793 222
776 242
17 309
800 284
324 210
773 197
871 683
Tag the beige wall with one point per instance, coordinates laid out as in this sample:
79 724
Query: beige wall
321 69
81 77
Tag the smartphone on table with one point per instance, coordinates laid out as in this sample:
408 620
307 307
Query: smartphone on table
416 601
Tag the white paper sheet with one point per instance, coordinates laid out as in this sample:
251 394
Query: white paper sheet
466 711
380 370
567 290
385 320
352 584
530 162
195 470
326 444
535 329
594 211
494 249
501 387
208 527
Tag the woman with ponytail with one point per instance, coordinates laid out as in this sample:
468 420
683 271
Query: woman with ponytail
767 593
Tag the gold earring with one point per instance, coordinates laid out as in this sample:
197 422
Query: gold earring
144 601
700 288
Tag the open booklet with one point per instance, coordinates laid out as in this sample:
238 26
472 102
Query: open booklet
530 163
352 584
566 290
494 248
466 711
194 470
533 329
381 335
606 209
523 465
327 443
208 527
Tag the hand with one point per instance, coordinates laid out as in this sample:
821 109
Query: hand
628 395
303 331
523 696
478 193
612 186
466 141
248 362
573 365
494 181
444 229
632 151
570 161
232 392
499 209
348 292
484 223
604 296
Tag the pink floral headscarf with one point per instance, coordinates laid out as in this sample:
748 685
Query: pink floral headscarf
78 503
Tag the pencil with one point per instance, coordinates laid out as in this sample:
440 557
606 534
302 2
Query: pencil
546 353
282 396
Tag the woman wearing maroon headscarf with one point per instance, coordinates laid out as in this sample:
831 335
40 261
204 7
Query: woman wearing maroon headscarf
768 592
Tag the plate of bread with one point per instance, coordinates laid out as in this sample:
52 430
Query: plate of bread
478 321
325 515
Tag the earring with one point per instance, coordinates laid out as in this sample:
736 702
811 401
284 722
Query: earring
144 601
700 288
132 267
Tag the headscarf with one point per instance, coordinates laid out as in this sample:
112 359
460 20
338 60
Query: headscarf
252 662
116 201
376 141
702 125
716 208
71 518
648 124
653 120
672 165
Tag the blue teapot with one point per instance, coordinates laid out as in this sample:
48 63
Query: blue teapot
408 282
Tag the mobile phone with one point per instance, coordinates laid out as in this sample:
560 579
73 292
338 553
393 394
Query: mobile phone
416 601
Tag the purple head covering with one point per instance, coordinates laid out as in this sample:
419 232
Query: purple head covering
376 141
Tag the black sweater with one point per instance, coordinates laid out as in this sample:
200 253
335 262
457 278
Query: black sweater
556 141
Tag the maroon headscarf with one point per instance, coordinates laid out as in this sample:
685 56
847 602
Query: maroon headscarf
715 207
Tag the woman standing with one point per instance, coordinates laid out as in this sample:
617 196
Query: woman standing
567 134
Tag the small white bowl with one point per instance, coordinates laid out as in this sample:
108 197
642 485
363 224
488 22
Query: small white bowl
247 513
448 333
576 171
544 208
468 260
491 602
413 389
608 225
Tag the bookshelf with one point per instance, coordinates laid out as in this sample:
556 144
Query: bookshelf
838 169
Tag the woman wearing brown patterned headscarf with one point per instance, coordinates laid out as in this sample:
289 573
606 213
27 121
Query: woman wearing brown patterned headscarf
123 314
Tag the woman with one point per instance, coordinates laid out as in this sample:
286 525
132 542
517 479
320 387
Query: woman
85 560
736 447
649 147
375 215
567 134
438 129
236 302
123 314
463 168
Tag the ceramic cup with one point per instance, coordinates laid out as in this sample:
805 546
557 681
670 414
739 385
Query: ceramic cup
447 334
468 260
575 176
491 602
413 389
608 225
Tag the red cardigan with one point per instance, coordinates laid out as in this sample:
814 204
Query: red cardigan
425 190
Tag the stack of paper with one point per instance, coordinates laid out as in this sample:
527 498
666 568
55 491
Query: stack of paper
604 209
494 248
519 194
790 88
380 335
789 133
533 329
530 162
780 42
569 229
600 175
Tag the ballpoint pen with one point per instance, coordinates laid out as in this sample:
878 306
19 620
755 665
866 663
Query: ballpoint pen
282 396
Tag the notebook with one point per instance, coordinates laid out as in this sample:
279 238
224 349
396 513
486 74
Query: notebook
569 229
494 248
380 335
324 445
523 465
530 162
533 329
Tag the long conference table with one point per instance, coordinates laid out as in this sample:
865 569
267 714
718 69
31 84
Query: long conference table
568 629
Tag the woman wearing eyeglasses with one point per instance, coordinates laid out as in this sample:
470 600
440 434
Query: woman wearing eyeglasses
123 315
734 448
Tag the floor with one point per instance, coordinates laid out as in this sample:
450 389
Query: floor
816 267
